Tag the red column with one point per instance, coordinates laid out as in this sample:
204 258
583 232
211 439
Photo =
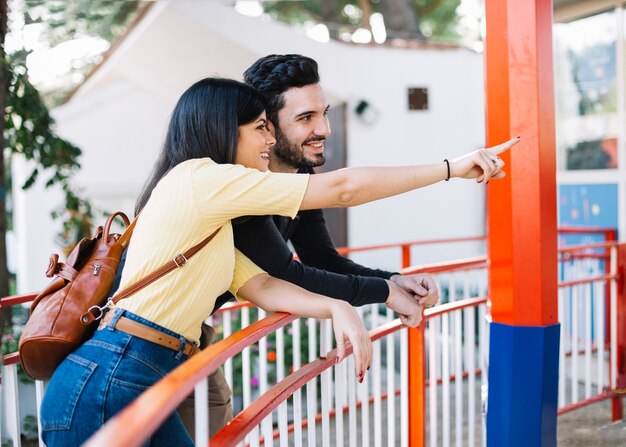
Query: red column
521 228
417 388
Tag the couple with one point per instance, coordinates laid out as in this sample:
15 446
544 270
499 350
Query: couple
222 138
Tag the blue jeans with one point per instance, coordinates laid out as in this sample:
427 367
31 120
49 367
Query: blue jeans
100 378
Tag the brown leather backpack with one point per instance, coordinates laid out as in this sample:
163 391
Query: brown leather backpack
66 313
54 328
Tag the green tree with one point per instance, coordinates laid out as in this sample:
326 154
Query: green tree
27 125
68 20
407 19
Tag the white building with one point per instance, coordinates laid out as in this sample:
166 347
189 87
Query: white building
118 118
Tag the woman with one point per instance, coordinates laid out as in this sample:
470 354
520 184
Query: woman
198 185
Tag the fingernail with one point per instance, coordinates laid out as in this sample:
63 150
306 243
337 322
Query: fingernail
360 374
337 359
360 379
518 137
368 367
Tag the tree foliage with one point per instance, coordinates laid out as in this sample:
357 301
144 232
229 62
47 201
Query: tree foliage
412 19
28 131
28 128
65 20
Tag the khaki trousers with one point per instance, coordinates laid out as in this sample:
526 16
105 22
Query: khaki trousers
220 408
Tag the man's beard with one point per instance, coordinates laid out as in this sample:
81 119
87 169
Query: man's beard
292 154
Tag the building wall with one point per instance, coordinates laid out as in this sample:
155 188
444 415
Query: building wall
119 115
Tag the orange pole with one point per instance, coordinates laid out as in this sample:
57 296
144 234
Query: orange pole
521 226
522 236
417 387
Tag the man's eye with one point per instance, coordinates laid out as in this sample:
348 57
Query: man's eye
306 118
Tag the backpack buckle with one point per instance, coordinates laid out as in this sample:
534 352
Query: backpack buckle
180 260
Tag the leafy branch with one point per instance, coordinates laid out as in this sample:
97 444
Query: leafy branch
28 132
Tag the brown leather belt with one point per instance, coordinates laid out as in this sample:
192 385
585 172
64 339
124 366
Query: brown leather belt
144 332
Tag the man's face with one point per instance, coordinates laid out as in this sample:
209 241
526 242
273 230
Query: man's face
303 128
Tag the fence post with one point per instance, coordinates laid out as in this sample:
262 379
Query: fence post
610 235
406 256
617 407
417 387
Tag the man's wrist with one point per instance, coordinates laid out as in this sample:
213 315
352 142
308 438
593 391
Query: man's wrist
395 277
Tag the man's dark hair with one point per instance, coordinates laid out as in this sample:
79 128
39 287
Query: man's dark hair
273 75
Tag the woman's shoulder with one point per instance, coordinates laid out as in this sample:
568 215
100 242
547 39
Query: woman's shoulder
198 166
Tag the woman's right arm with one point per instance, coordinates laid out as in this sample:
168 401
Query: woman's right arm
355 186
275 295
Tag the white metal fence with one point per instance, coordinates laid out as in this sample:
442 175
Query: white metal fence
334 409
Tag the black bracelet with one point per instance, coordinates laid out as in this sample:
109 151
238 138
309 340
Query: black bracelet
448 165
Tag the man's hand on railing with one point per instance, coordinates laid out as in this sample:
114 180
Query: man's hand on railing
421 285
349 328
404 304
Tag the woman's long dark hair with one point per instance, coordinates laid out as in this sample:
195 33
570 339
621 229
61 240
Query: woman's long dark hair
205 123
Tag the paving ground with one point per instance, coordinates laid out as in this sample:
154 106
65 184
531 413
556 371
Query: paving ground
587 427
591 427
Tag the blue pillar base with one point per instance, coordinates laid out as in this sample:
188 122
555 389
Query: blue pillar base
523 385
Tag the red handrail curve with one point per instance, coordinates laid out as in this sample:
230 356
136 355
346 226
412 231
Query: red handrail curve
11 359
17 299
565 229
252 415
346 250
463 264
145 414
575 248
577 282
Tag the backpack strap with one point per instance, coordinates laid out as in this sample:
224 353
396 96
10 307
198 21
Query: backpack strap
178 261
96 312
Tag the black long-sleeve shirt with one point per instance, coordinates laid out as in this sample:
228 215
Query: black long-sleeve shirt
321 270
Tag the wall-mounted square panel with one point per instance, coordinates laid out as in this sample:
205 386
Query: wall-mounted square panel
418 98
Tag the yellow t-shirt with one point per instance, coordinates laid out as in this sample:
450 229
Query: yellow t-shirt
188 204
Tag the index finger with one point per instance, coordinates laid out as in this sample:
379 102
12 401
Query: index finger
500 148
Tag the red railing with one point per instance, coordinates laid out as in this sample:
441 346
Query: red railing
405 247
250 417
164 397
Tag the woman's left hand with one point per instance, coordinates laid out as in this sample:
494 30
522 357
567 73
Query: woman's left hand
349 328
483 164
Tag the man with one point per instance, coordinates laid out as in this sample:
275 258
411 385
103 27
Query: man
297 111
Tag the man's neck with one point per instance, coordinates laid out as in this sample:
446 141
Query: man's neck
277 166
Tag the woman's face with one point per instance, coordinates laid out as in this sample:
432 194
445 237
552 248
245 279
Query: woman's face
253 146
